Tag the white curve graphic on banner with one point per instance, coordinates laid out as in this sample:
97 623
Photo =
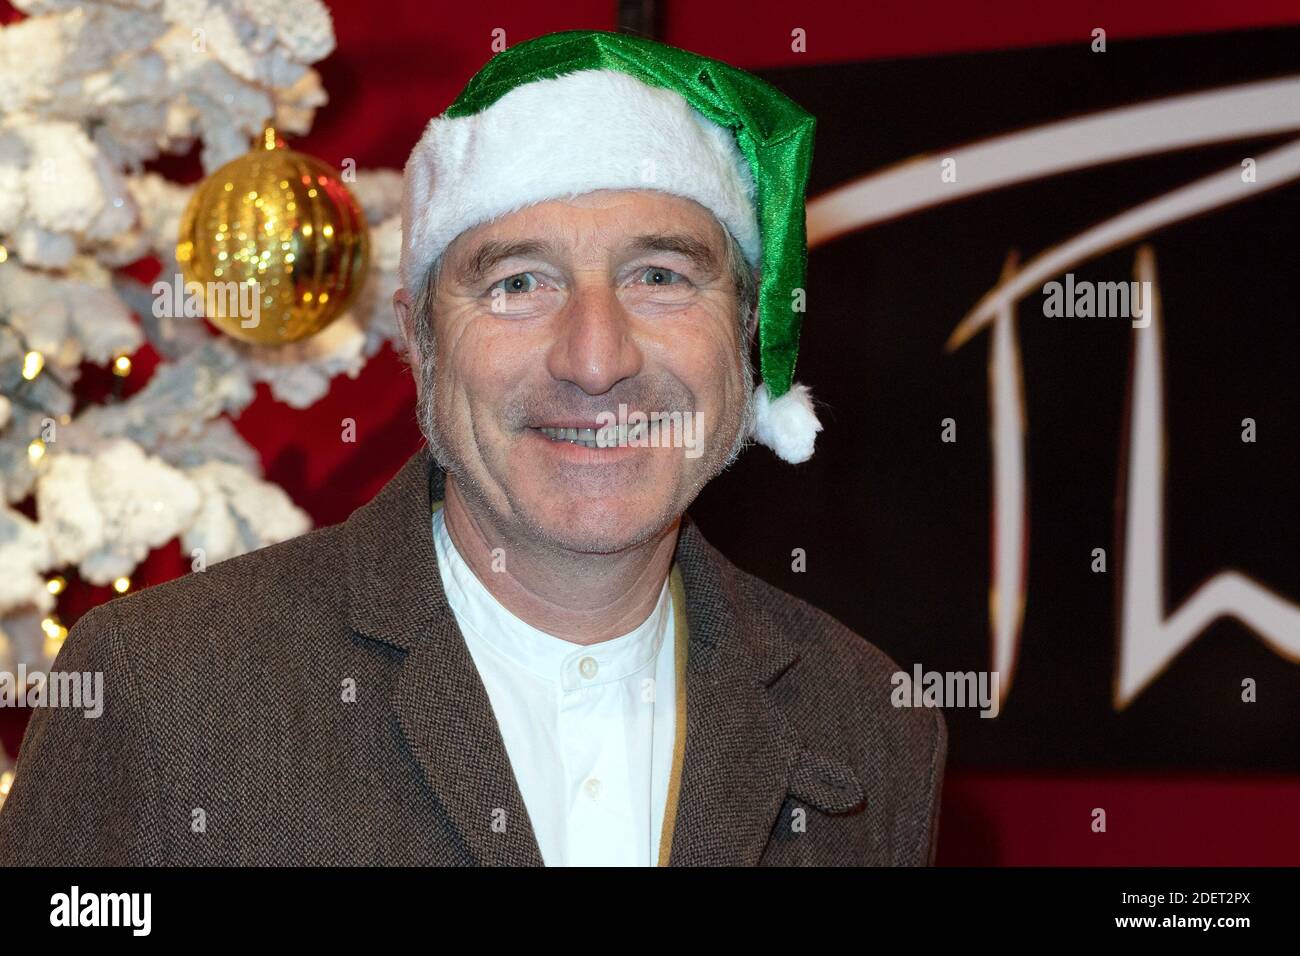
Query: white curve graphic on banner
1007 590
1161 126
1148 641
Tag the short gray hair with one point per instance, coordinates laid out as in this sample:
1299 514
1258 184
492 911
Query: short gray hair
742 276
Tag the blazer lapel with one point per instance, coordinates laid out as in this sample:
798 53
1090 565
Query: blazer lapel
447 721
440 704
740 753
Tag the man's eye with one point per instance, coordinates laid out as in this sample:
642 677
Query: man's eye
655 275
517 284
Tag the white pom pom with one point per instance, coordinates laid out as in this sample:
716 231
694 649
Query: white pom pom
787 425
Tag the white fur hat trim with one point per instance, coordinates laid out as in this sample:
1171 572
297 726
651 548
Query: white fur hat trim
564 136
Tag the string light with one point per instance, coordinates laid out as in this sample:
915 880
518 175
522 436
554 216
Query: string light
122 584
56 584
55 633
33 362
35 450
122 366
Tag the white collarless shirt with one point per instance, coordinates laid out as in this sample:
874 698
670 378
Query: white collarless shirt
588 729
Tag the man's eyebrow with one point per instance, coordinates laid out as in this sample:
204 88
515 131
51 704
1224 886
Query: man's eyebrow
491 252
495 251
700 253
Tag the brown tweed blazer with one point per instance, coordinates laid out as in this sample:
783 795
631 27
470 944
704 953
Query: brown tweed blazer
226 737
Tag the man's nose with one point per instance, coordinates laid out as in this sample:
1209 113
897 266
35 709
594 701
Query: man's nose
594 346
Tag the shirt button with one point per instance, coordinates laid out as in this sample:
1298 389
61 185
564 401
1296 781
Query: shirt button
592 787
587 667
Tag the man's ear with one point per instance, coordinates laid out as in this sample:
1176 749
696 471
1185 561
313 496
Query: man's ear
403 306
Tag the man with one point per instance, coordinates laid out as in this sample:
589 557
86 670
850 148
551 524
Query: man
522 651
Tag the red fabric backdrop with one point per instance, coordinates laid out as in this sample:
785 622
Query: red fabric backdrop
399 63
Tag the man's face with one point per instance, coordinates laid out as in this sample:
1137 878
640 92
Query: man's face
555 314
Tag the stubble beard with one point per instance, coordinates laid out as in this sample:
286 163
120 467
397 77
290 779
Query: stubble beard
485 508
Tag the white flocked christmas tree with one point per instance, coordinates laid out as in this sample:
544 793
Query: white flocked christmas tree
90 92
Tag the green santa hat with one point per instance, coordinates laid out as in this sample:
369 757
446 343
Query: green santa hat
574 112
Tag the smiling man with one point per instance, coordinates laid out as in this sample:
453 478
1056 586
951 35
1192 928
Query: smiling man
539 327
523 651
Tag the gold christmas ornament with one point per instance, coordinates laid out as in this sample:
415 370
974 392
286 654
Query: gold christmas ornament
277 244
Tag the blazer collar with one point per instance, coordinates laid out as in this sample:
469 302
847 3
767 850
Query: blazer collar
742 756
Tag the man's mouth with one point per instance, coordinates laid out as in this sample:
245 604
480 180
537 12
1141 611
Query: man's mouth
610 436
